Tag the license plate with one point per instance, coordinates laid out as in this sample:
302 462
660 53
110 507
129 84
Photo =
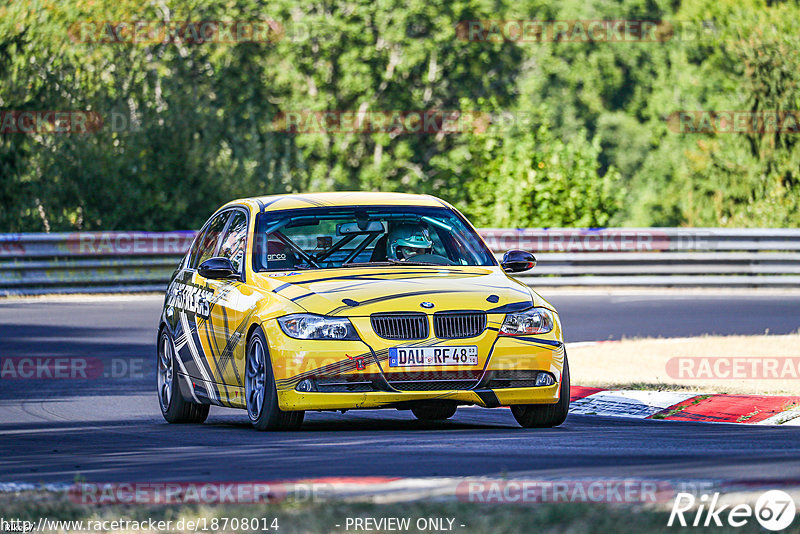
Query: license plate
425 356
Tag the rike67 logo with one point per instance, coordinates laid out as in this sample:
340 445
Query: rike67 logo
774 510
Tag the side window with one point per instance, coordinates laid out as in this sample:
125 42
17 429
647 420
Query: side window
234 240
195 246
208 243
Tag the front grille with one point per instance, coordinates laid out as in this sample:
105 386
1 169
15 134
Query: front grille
458 325
433 380
512 379
400 326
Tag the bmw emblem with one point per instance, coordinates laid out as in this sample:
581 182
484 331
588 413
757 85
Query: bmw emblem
427 304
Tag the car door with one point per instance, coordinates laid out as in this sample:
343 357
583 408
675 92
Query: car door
222 334
190 297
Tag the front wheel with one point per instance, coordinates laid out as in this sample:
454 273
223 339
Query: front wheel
261 395
174 407
546 415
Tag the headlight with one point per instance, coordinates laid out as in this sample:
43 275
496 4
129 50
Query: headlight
310 326
533 321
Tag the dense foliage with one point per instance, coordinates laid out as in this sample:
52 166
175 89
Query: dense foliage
189 125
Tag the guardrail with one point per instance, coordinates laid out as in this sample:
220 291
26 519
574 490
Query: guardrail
96 262
89 262
656 256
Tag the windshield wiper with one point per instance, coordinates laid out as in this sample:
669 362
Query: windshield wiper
366 264
387 263
411 262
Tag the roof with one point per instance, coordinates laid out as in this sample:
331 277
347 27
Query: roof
345 198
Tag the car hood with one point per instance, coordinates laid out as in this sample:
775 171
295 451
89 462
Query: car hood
363 291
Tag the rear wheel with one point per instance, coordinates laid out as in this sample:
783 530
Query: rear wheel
261 396
434 412
174 407
545 415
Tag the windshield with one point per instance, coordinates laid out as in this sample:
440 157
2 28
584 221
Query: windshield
325 238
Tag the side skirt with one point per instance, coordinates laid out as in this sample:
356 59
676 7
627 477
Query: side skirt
196 390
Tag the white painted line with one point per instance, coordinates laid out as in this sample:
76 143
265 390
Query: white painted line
628 403
579 344
15 487
789 417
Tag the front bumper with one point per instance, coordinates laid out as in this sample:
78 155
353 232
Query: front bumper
294 361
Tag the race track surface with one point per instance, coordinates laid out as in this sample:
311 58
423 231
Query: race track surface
110 428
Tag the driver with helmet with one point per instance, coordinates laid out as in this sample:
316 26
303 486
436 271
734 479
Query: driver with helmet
408 240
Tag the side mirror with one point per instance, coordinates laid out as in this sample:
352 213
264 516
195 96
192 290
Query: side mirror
517 261
217 268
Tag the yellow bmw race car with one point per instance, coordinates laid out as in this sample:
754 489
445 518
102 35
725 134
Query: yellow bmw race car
337 301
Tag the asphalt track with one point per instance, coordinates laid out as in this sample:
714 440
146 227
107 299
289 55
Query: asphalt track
110 429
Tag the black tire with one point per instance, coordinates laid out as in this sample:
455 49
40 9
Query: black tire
434 412
267 415
546 415
174 407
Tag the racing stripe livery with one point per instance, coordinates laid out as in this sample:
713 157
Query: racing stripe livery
457 351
